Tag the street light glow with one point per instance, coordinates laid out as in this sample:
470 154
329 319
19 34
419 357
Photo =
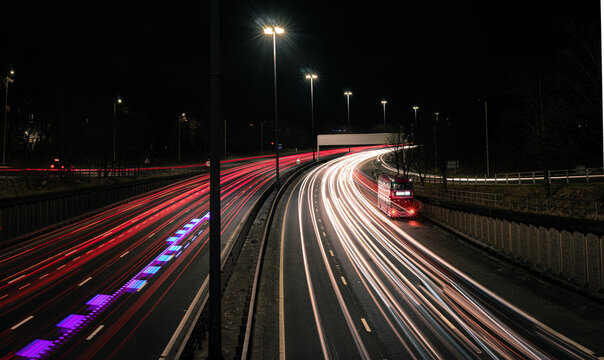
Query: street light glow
270 30
348 93
384 102
119 101
12 72
415 107
311 76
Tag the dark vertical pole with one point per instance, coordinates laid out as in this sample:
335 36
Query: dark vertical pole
312 117
276 121
215 335
348 111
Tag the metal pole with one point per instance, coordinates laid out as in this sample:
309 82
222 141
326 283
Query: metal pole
414 123
435 124
486 129
261 136
384 116
348 109
5 120
215 326
114 125
225 130
312 116
276 121
179 120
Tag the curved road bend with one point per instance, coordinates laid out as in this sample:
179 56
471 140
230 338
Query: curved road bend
354 285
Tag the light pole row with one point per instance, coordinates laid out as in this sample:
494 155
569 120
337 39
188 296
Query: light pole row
7 80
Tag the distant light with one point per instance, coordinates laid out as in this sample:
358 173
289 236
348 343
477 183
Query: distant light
279 30
119 101
12 72
415 107
268 31
348 93
308 76
411 211
384 102
311 76
183 114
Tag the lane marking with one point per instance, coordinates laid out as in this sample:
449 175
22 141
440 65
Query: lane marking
85 281
366 325
15 279
343 280
60 267
75 258
95 332
331 252
22 322
43 276
24 286
124 254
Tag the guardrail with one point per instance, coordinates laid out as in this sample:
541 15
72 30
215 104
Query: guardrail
514 178
586 209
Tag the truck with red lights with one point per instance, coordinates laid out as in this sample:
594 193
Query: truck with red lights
395 196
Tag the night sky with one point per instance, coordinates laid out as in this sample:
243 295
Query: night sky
442 56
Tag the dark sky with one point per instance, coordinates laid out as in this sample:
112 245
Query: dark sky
430 53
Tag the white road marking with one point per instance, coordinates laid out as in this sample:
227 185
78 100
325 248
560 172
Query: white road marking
343 280
95 332
60 267
45 275
124 254
24 286
85 281
331 252
22 322
365 324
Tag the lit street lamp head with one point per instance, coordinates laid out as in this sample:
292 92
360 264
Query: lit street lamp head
12 72
415 107
119 101
384 102
269 30
311 76
348 93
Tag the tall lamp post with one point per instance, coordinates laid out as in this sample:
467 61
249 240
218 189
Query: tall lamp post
486 136
7 80
415 108
116 102
435 124
274 31
384 102
181 118
348 93
312 77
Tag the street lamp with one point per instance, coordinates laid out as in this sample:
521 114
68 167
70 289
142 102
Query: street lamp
435 124
181 118
384 102
116 102
414 129
312 77
274 31
7 80
348 93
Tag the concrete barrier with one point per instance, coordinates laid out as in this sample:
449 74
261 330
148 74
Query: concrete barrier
533 245
555 248
568 260
507 237
544 252
579 253
594 262
576 258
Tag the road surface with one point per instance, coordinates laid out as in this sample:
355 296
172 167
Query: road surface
354 285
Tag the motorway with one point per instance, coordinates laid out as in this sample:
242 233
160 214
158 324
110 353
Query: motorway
117 284
354 285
